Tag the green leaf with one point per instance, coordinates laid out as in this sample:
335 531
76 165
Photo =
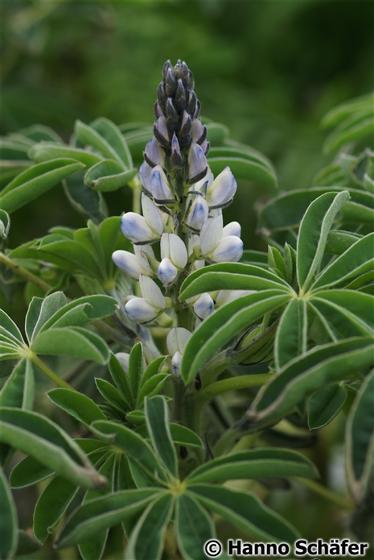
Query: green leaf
182 435
120 378
40 311
18 390
347 312
245 511
147 538
313 232
256 463
324 364
157 420
135 369
358 258
245 169
8 521
111 394
27 472
133 444
291 335
108 175
51 506
82 310
104 512
35 181
9 328
76 404
193 527
115 139
45 151
360 439
230 276
324 404
84 199
223 325
37 436
73 341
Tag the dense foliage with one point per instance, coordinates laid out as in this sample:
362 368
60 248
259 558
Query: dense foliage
211 364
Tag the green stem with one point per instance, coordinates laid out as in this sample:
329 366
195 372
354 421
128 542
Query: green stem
136 189
23 272
232 384
49 372
343 502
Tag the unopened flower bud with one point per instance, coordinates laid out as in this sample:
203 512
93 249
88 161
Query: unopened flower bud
170 81
211 233
198 131
176 155
203 306
177 339
140 310
131 264
159 186
153 153
229 249
197 213
191 104
136 229
176 361
161 131
197 163
180 97
167 272
222 190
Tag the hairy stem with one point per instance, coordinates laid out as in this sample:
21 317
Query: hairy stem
49 372
343 502
23 272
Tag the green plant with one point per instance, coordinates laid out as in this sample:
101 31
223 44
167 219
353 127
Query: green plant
200 362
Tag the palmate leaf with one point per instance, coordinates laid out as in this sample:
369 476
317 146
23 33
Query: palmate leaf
78 405
325 364
157 420
256 463
74 341
8 521
43 440
360 439
245 511
292 333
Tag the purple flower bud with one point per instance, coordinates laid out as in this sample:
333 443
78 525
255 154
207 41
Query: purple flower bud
205 146
157 110
203 306
170 111
161 131
197 163
229 249
232 228
197 214
167 66
159 186
161 95
176 155
153 153
191 104
167 272
198 131
170 82
135 228
180 97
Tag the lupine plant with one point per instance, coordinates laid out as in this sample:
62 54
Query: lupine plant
164 374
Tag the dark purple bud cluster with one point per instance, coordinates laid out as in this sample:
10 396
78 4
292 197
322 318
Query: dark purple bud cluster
179 144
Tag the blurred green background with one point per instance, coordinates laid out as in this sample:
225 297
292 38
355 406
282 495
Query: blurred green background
269 69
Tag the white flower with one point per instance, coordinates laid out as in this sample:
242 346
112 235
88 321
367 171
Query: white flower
197 163
203 306
222 190
146 308
135 228
167 272
176 342
198 213
173 248
232 228
153 153
132 265
153 215
217 246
